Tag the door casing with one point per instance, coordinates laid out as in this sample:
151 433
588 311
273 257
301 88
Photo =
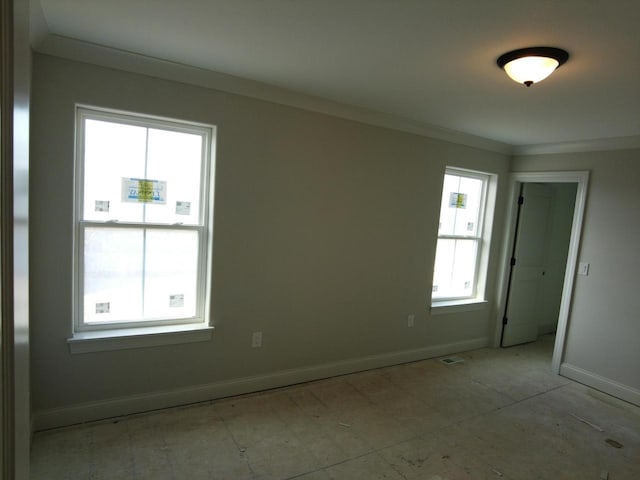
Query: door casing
515 179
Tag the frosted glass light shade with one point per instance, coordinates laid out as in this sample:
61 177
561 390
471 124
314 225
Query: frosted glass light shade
531 65
531 69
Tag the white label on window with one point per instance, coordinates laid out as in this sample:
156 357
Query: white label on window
102 205
434 288
176 300
144 190
183 208
458 200
467 284
102 307
470 226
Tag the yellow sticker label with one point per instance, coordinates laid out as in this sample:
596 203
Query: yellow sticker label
457 200
145 191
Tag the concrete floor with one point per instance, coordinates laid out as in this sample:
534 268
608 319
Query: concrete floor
499 415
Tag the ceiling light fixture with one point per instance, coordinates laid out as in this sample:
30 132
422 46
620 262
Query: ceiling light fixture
533 64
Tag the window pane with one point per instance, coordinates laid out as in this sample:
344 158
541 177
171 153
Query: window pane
113 259
171 274
447 213
454 268
460 205
114 151
176 158
114 277
111 151
467 217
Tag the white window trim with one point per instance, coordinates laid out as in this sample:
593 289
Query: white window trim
119 335
122 339
478 300
458 306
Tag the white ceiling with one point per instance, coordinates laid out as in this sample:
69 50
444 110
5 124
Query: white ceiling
430 61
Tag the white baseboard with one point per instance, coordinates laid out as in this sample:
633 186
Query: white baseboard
115 407
603 384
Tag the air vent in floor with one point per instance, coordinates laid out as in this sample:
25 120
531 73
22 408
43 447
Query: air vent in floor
451 360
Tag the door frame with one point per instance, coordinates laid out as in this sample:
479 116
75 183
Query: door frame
7 421
515 179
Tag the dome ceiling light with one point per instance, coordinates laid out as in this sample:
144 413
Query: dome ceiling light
533 64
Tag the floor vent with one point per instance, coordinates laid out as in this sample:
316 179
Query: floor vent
450 360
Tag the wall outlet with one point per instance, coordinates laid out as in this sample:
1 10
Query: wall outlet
256 339
411 320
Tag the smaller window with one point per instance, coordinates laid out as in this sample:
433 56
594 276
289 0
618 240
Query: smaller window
463 238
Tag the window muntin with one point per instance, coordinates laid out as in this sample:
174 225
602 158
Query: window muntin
141 262
460 233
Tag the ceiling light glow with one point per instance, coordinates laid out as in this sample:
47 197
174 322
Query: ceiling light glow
531 65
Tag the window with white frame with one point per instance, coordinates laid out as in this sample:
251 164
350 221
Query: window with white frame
142 221
461 236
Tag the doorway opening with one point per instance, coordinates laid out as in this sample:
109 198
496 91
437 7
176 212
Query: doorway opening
540 255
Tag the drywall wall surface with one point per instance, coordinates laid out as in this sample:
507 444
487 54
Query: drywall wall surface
324 238
563 199
604 323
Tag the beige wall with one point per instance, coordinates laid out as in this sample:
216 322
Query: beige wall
604 322
324 239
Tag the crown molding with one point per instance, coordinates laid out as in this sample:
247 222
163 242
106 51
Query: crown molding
594 145
38 27
72 49
85 52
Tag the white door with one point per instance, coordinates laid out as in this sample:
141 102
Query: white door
526 274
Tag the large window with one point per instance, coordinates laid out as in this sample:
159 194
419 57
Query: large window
461 236
142 221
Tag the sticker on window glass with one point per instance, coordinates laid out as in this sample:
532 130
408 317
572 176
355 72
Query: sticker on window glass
176 300
434 288
458 200
144 190
102 205
102 307
467 284
470 226
183 208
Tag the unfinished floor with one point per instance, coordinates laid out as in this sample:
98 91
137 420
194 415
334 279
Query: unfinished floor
498 415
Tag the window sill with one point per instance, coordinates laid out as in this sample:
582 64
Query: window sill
457 306
106 340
